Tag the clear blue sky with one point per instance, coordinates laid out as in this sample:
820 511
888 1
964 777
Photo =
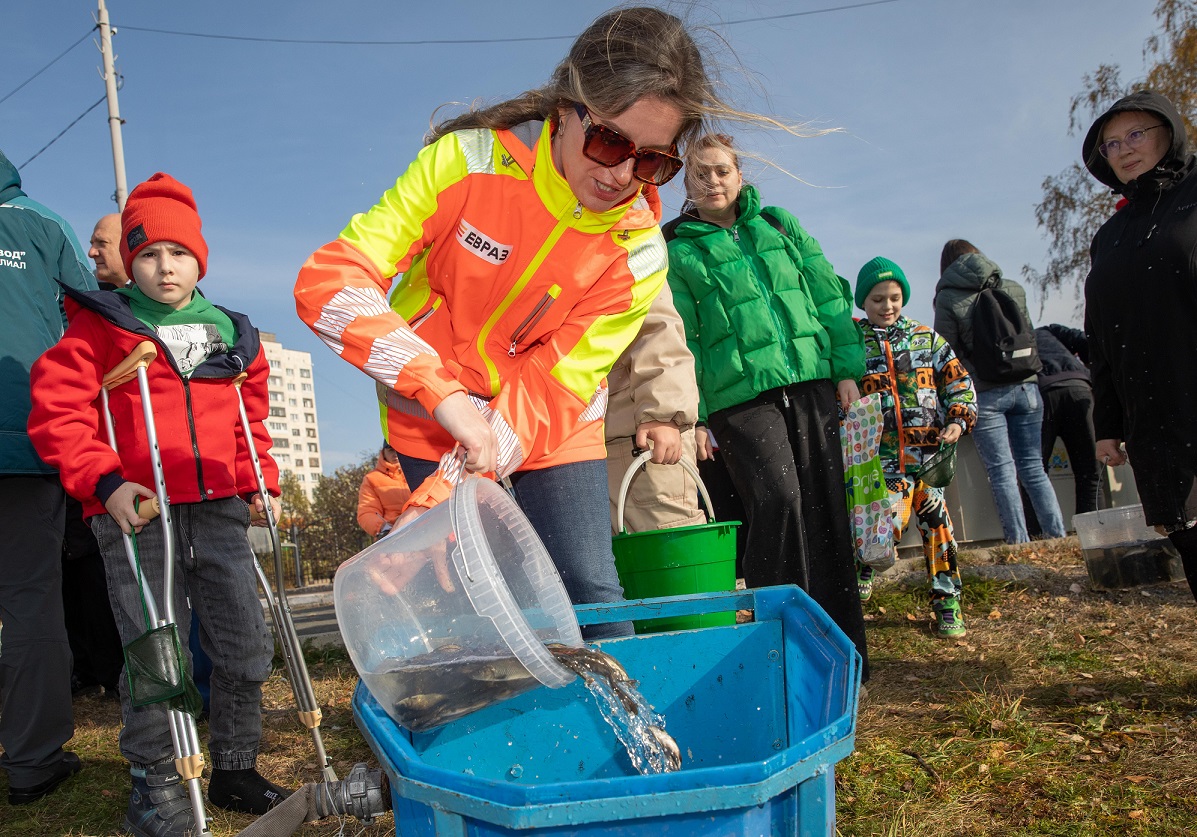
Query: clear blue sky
951 113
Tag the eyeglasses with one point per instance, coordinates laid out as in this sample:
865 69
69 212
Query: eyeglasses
1133 140
609 148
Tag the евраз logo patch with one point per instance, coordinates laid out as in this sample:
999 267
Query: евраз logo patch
481 244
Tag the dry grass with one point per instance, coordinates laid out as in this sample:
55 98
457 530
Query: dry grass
1064 711
93 803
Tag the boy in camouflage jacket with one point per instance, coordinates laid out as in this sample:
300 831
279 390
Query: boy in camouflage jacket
927 398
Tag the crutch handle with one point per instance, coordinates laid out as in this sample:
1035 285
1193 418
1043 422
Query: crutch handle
148 508
143 355
240 379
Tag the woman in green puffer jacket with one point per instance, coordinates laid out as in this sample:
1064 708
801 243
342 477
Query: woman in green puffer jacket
770 326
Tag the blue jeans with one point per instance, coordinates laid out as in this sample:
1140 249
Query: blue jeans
568 507
1008 435
214 573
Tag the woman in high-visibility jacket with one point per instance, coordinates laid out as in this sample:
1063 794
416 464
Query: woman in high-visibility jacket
527 237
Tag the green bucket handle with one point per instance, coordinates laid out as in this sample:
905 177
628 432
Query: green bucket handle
631 472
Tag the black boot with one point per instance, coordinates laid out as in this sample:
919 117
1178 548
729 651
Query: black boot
244 791
159 805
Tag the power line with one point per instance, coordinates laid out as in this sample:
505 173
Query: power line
346 43
472 41
99 102
48 66
810 12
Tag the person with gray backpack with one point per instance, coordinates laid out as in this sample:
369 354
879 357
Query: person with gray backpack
983 315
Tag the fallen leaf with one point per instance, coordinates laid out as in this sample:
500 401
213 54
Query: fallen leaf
1136 814
995 614
1085 675
995 724
910 617
982 768
881 610
1137 779
1080 639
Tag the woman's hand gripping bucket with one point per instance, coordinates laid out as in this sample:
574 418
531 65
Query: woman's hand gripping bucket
675 561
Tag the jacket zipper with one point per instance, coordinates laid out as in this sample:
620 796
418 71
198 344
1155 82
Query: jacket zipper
530 321
199 471
512 295
883 336
414 324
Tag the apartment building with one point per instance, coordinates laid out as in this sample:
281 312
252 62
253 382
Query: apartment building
292 421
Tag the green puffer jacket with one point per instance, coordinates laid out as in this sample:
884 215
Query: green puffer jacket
761 309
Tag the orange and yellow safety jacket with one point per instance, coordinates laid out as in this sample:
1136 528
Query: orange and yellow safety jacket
512 291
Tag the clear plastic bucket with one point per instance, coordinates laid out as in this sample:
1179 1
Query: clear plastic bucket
453 611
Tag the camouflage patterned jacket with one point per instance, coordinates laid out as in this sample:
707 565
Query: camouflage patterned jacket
923 386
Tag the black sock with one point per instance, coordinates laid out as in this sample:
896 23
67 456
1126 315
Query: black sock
245 791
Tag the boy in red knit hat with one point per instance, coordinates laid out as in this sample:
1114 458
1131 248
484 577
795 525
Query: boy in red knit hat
209 479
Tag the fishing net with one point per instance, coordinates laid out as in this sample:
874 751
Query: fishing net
939 469
155 665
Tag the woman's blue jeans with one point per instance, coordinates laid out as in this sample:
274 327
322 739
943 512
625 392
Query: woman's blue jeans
568 507
1008 437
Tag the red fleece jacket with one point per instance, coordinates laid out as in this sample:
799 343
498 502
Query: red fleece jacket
199 427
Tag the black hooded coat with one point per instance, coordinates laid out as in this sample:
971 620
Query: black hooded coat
1141 318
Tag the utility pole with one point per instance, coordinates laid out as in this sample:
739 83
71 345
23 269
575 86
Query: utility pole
114 112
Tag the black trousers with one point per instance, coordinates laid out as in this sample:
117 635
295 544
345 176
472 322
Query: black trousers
36 718
1068 415
91 628
782 452
1186 544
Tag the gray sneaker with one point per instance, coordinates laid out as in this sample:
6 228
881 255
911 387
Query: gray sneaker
159 805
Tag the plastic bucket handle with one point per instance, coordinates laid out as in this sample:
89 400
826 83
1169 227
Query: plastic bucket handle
631 472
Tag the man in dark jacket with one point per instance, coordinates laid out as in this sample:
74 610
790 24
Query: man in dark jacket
1068 407
1067 412
37 251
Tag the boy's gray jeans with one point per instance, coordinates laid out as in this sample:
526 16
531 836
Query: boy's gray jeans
214 567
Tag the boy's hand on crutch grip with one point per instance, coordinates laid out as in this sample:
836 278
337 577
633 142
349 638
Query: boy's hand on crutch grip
257 510
121 507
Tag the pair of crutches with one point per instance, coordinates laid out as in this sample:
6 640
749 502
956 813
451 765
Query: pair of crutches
189 760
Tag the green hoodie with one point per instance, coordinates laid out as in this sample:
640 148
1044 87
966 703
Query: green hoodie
761 309
37 251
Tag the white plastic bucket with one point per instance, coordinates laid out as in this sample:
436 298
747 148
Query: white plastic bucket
453 611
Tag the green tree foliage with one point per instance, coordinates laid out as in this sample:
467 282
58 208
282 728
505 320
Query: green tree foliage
296 508
1074 204
331 534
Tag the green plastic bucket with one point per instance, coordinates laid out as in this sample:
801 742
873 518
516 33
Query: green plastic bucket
673 562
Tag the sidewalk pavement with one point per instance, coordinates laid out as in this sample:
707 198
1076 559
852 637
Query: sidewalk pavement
313 614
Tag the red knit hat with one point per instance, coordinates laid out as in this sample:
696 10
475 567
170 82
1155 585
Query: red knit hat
161 209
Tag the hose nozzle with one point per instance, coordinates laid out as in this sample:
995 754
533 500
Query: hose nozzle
363 794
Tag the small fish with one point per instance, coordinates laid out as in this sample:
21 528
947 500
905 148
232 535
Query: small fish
670 752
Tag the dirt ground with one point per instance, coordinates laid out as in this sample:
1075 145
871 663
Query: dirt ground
1065 710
